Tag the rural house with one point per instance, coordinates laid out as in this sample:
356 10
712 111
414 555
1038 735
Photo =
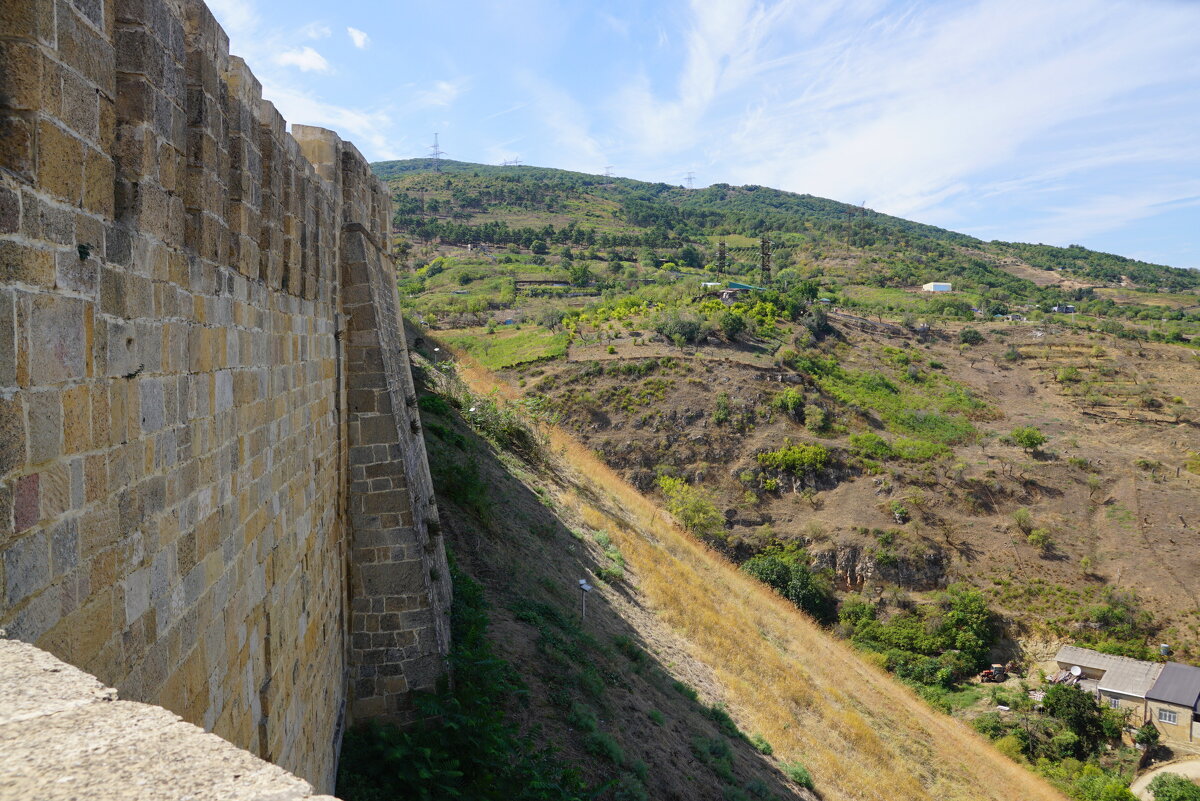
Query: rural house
1166 694
937 286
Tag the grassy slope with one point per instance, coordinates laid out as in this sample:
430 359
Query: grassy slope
813 698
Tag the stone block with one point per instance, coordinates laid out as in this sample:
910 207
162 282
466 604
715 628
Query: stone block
58 339
45 432
73 273
12 434
26 502
29 19
24 263
17 143
152 404
22 78
59 162
77 419
26 567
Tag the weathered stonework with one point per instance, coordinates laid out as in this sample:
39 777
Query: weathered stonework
213 492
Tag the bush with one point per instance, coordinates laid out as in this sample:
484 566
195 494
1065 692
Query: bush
1029 438
791 401
816 419
760 742
681 327
788 573
970 336
797 459
799 774
1169 787
693 510
1040 538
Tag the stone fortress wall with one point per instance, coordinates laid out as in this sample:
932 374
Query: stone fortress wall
213 487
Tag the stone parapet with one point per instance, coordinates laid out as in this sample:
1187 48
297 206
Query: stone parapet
64 736
193 302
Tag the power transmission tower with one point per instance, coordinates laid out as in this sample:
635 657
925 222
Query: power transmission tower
437 153
513 163
765 257
690 178
608 173
721 255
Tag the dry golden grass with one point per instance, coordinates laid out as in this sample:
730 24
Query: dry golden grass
816 700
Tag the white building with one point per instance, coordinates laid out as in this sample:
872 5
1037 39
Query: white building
937 286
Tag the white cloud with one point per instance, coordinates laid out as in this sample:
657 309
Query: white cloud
303 58
442 93
316 30
360 38
372 131
920 109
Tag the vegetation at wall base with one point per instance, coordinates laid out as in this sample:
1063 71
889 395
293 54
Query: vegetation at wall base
464 746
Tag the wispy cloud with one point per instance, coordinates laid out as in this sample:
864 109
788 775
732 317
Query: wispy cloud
360 38
442 93
303 58
316 30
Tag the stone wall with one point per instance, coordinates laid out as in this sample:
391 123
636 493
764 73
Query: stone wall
213 493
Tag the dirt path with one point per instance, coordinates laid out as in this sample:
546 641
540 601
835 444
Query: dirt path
1189 768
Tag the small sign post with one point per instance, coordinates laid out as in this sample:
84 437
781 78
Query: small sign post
584 589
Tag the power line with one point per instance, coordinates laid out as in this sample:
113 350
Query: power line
437 153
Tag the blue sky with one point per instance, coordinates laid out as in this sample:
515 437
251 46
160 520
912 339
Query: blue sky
1057 121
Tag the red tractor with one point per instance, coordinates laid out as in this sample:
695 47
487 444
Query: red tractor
996 673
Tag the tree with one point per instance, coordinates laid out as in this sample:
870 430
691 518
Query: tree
1081 714
1148 735
538 247
731 323
1029 438
1171 787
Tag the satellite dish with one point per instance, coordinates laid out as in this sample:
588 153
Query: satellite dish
583 585
1076 670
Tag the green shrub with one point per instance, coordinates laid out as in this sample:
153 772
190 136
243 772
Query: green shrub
602 744
816 419
1170 787
656 717
1029 438
693 510
790 401
970 336
799 774
798 459
760 742
788 573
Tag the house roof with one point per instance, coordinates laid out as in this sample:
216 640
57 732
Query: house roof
1130 677
1120 673
1086 657
1177 684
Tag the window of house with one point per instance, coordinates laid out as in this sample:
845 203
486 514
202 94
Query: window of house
1114 703
1168 716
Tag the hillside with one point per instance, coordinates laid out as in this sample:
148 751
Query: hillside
685 679
944 480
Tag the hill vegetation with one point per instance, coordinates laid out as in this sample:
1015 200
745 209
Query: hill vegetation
943 480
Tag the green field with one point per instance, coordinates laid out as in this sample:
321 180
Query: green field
508 346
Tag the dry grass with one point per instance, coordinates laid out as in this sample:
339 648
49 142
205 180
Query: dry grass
816 700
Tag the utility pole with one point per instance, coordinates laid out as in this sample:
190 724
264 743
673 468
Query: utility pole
721 255
765 259
437 153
